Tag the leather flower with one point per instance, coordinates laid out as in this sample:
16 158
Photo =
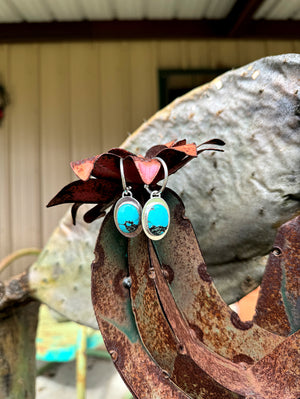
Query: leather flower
100 179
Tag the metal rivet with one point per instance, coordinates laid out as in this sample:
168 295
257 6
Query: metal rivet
276 251
114 355
127 282
181 349
243 365
165 273
151 273
193 334
165 374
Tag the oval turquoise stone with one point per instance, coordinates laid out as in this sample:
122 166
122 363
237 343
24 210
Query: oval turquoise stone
128 218
158 219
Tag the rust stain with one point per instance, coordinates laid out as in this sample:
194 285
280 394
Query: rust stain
168 272
241 358
203 273
118 285
197 297
174 337
143 376
238 323
227 374
279 371
154 329
277 307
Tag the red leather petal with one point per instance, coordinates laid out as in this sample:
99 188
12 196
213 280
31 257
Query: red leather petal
179 143
95 213
107 166
147 168
83 168
188 149
170 143
74 210
120 152
155 150
212 141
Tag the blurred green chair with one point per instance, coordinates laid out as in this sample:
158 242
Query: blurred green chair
64 341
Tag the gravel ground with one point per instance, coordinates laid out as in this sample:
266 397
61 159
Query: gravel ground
58 380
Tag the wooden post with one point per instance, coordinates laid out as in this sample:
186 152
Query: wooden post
18 323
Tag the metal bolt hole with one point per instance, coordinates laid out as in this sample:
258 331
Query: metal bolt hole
276 251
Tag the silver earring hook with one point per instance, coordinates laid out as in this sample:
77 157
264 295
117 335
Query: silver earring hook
125 188
158 192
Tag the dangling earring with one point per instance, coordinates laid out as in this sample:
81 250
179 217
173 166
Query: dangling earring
127 212
156 214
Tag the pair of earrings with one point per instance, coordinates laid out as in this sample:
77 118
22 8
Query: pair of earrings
154 218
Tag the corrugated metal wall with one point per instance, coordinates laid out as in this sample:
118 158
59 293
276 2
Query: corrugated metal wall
73 100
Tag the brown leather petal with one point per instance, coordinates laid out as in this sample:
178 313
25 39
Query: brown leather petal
91 191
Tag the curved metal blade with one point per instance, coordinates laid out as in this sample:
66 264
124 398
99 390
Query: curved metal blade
278 371
278 305
208 316
113 312
277 374
232 376
157 334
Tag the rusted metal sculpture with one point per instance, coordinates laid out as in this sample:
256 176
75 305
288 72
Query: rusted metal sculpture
167 329
237 202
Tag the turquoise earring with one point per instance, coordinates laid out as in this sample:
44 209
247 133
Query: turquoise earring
127 212
156 214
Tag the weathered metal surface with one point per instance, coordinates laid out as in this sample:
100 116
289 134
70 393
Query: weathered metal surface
153 328
169 332
156 333
228 374
278 306
116 321
223 327
237 201
277 372
208 316
175 345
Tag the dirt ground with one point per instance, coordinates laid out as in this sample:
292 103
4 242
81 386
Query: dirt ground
58 380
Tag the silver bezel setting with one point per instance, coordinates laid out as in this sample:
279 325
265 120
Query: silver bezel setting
127 199
147 207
